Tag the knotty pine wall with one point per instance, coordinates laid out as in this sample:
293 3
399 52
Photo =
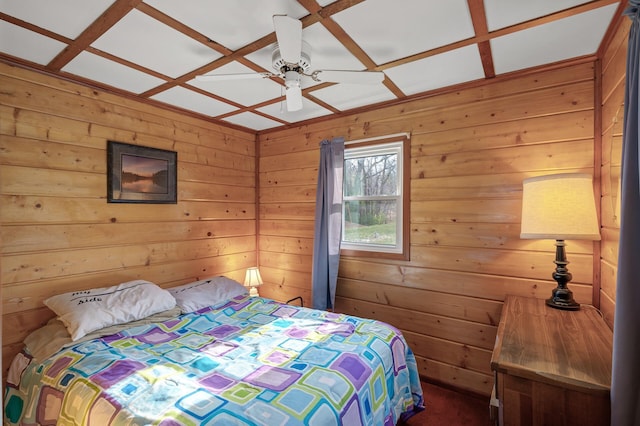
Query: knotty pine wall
470 151
613 66
59 233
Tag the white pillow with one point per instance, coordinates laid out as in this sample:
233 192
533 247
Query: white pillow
85 311
210 292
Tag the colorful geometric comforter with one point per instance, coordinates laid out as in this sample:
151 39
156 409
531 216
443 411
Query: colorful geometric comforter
252 361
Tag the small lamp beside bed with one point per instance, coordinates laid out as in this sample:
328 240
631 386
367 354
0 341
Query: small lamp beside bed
253 280
560 207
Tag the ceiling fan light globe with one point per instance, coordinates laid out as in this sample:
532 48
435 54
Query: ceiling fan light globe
293 95
292 79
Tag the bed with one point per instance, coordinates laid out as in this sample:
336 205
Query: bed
233 359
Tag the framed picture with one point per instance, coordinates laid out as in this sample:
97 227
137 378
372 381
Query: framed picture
137 174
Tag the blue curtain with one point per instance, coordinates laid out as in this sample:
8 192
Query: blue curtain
625 381
328 225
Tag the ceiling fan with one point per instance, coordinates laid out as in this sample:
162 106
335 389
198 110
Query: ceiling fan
291 58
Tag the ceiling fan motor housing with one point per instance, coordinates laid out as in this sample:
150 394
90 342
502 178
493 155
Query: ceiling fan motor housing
303 66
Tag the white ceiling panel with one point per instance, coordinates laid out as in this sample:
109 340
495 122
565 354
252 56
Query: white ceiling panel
232 23
54 15
349 96
252 121
97 68
552 42
456 66
392 30
21 43
327 52
262 58
141 39
504 13
193 101
245 92
324 3
155 48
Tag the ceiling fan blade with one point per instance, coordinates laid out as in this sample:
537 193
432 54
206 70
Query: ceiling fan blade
242 76
352 77
293 95
289 36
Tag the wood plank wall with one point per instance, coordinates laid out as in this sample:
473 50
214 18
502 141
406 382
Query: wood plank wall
59 233
470 151
613 66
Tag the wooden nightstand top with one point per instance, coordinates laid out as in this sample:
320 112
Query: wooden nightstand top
571 349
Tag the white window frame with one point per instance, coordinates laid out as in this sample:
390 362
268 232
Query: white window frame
395 144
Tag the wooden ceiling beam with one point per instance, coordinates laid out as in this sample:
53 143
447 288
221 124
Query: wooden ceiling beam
479 20
349 43
36 29
311 5
479 38
104 22
338 6
179 26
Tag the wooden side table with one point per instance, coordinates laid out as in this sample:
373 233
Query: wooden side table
552 367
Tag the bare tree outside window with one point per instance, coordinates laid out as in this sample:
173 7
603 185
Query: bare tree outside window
372 197
371 219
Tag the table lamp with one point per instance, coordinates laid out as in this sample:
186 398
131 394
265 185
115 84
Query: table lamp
560 207
253 280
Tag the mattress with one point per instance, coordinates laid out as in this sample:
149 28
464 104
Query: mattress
250 361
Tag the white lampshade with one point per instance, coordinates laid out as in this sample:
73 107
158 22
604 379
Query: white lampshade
253 279
559 207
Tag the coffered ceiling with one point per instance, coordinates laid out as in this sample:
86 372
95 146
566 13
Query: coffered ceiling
154 49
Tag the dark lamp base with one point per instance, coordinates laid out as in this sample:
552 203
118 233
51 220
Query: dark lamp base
562 298
567 305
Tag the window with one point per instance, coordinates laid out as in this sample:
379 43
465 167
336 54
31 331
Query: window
374 201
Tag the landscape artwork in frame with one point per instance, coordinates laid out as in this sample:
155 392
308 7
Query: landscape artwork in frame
137 174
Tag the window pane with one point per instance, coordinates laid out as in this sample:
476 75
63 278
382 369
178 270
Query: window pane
373 175
370 222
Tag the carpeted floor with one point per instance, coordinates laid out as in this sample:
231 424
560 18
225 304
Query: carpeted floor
449 408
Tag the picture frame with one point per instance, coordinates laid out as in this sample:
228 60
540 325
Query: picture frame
138 174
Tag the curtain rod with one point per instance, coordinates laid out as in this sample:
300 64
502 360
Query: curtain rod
404 134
